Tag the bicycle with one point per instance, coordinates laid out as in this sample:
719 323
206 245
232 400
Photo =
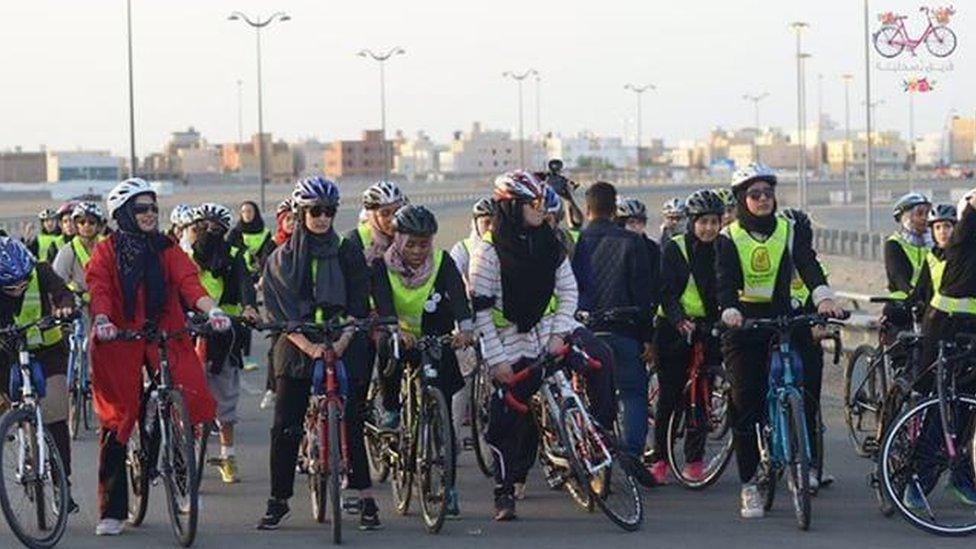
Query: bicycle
324 452
33 479
931 437
701 424
868 378
782 438
423 448
80 412
481 389
892 38
592 461
163 445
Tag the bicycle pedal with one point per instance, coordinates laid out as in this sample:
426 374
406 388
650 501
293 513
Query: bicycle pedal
870 445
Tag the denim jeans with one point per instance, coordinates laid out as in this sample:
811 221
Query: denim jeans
630 378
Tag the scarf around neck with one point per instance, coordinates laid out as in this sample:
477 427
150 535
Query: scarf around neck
290 294
137 259
411 278
379 245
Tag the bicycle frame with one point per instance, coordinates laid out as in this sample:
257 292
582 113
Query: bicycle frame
318 411
556 389
908 41
781 389
78 348
29 401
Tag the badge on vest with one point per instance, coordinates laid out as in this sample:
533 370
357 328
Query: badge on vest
760 260
430 306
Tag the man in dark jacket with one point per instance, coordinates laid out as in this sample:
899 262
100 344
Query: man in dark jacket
613 270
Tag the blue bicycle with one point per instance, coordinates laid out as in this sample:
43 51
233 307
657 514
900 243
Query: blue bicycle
784 442
80 412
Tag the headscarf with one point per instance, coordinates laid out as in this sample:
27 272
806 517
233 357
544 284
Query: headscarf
253 226
212 253
280 235
395 262
380 242
137 260
529 257
915 238
758 225
290 267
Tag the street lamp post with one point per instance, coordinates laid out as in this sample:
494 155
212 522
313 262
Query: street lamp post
911 140
798 28
538 104
639 93
240 111
381 58
518 78
756 98
257 24
847 77
132 102
868 168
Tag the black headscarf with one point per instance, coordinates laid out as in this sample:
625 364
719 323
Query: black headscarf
212 253
764 225
253 226
529 257
290 267
137 260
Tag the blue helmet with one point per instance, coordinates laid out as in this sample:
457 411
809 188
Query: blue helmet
16 261
315 191
553 204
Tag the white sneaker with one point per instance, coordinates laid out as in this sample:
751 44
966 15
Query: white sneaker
268 400
519 490
814 483
109 527
752 503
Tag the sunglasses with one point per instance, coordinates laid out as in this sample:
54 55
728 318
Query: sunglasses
759 194
319 211
15 288
86 221
140 209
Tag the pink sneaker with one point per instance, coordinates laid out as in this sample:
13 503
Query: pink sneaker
659 470
693 471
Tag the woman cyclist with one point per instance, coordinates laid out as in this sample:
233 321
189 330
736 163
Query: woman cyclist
673 213
904 255
72 260
49 238
942 221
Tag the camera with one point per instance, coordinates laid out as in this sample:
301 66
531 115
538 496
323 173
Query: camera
555 179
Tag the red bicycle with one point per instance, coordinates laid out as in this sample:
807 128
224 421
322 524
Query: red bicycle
892 39
699 429
324 451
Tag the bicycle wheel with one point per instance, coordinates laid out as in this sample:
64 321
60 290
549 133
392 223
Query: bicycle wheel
137 469
379 467
334 467
798 462
706 438
817 447
33 488
914 459
941 42
553 455
887 42
653 390
179 468
613 490
863 394
76 403
435 459
314 455
401 472
200 448
480 412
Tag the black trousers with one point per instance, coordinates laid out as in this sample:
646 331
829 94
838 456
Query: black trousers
512 435
291 403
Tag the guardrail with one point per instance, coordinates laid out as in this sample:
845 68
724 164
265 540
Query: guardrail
857 244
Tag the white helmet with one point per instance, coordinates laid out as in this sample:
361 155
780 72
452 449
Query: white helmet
382 193
125 191
211 211
752 172
181 216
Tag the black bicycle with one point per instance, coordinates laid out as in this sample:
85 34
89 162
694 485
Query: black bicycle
34 491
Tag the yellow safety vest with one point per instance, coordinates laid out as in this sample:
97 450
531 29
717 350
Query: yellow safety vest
936 270
574 234
759 261
691 300
365 235
498 316
30 311
916 256
798 289
44 243
253 242
943 303
215 288
409 302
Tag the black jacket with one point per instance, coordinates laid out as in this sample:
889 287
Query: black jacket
959 278
613 269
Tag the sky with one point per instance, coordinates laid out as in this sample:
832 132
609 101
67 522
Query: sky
63 78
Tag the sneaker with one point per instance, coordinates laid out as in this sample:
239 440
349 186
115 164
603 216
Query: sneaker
391 420
752 503
814 481
369 518
912 498
963 491
72 506
520 491
228 470
636 469
453 507
277 512
267 401
109 527
693 471
505 508
250 365
659 471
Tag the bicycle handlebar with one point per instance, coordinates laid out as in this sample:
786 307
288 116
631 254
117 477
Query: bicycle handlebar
45 323
195 325
613 314
544 362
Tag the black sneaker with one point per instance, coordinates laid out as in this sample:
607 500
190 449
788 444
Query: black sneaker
369 518
277 511
72 506
633 467
505 508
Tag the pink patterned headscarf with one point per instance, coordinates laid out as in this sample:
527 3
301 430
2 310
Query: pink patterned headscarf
394 262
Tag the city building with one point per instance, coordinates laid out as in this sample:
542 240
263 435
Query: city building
889 151
485 152
587 150
18 166
369 157
242 159
417 158
962 142
310 157
83 166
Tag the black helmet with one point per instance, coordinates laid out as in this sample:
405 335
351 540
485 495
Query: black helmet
704 202
942 212
484 207
415 220
798 217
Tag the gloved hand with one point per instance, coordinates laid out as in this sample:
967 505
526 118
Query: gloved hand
104 329
219 320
